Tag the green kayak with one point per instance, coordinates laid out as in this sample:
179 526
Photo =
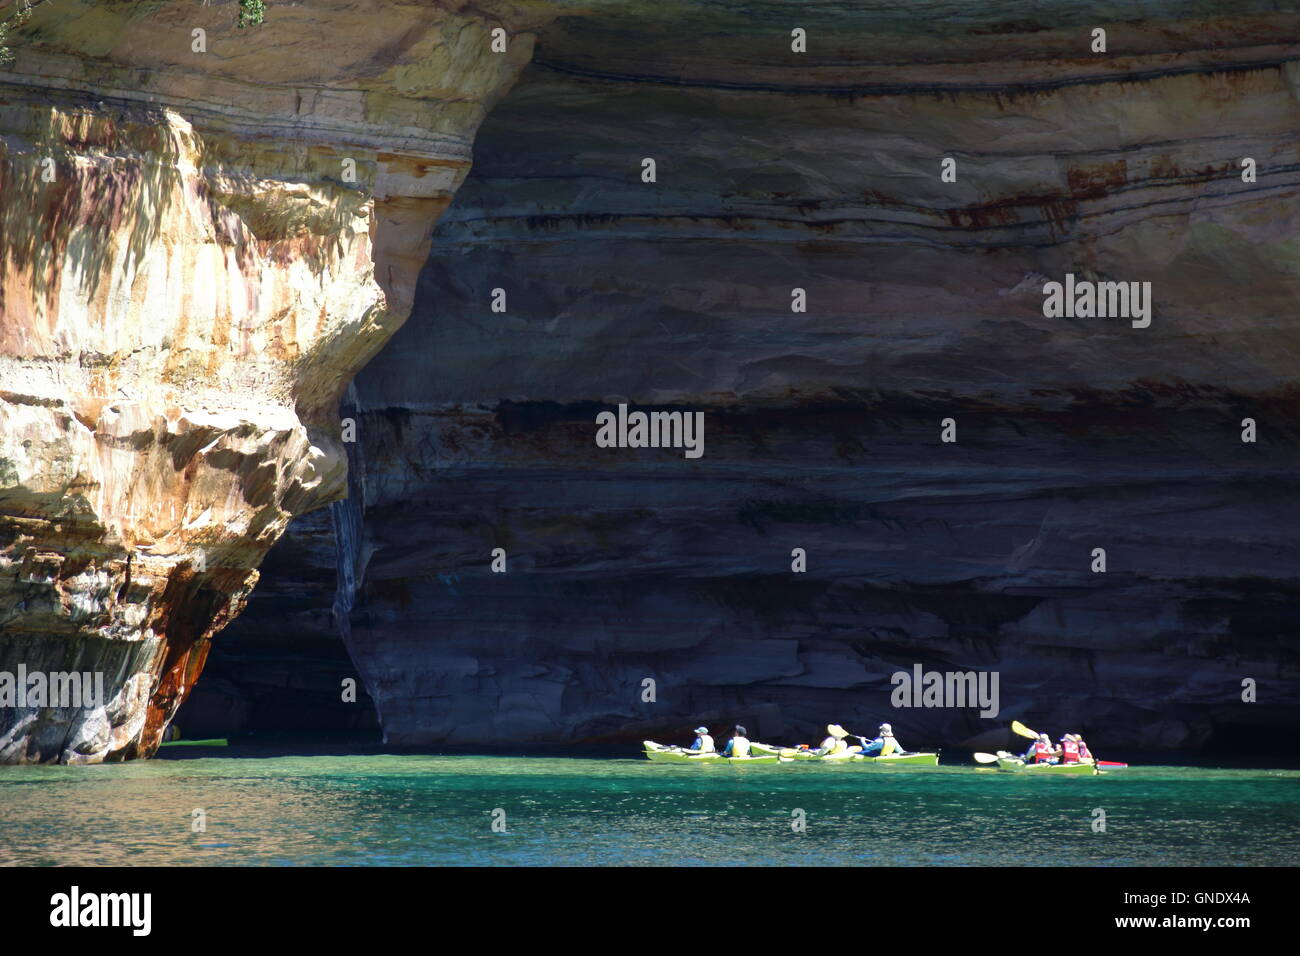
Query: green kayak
662 754
768 754
788 754
213 742
1013 764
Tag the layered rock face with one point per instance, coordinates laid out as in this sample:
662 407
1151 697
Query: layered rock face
822 172
192 275
206 231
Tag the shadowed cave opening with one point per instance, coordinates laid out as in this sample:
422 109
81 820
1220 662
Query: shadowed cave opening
475 433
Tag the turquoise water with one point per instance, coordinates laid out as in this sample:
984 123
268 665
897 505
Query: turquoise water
421 810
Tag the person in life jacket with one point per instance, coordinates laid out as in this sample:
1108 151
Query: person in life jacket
1084 752
738 745
703 742
1069 749
834 744
1041 751
884 744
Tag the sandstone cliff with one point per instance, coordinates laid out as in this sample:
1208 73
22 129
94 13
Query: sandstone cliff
186 303
204 236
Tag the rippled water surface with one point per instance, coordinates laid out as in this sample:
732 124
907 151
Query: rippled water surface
401 810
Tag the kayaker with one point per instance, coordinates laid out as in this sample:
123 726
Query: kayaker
1069 749
738 745
1040 751
1084 752
703 742
834 743
884 744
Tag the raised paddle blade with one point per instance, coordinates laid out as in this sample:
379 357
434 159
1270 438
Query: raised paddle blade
1018 728
986 758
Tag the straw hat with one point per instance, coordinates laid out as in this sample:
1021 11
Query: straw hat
836 731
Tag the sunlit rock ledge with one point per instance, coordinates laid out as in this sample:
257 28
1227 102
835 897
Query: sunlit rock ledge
201 246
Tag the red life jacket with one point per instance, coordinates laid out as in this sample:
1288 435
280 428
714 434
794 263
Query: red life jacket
1042 752
1069 751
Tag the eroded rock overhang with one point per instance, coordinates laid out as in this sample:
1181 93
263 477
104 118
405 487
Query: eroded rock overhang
924 301
206 232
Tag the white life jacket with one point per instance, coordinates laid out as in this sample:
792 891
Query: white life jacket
739 747
704 744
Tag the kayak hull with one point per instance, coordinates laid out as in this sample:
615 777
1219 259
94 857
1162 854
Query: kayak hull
767 754
893 760
658 753
901 760
1017 765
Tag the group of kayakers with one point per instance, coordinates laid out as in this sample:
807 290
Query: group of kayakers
703 743
1069 749
836 743
737 745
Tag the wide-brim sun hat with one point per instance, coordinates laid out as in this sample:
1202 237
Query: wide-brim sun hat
835 730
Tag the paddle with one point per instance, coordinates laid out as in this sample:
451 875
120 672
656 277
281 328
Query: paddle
986 758
1018 728
865 742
